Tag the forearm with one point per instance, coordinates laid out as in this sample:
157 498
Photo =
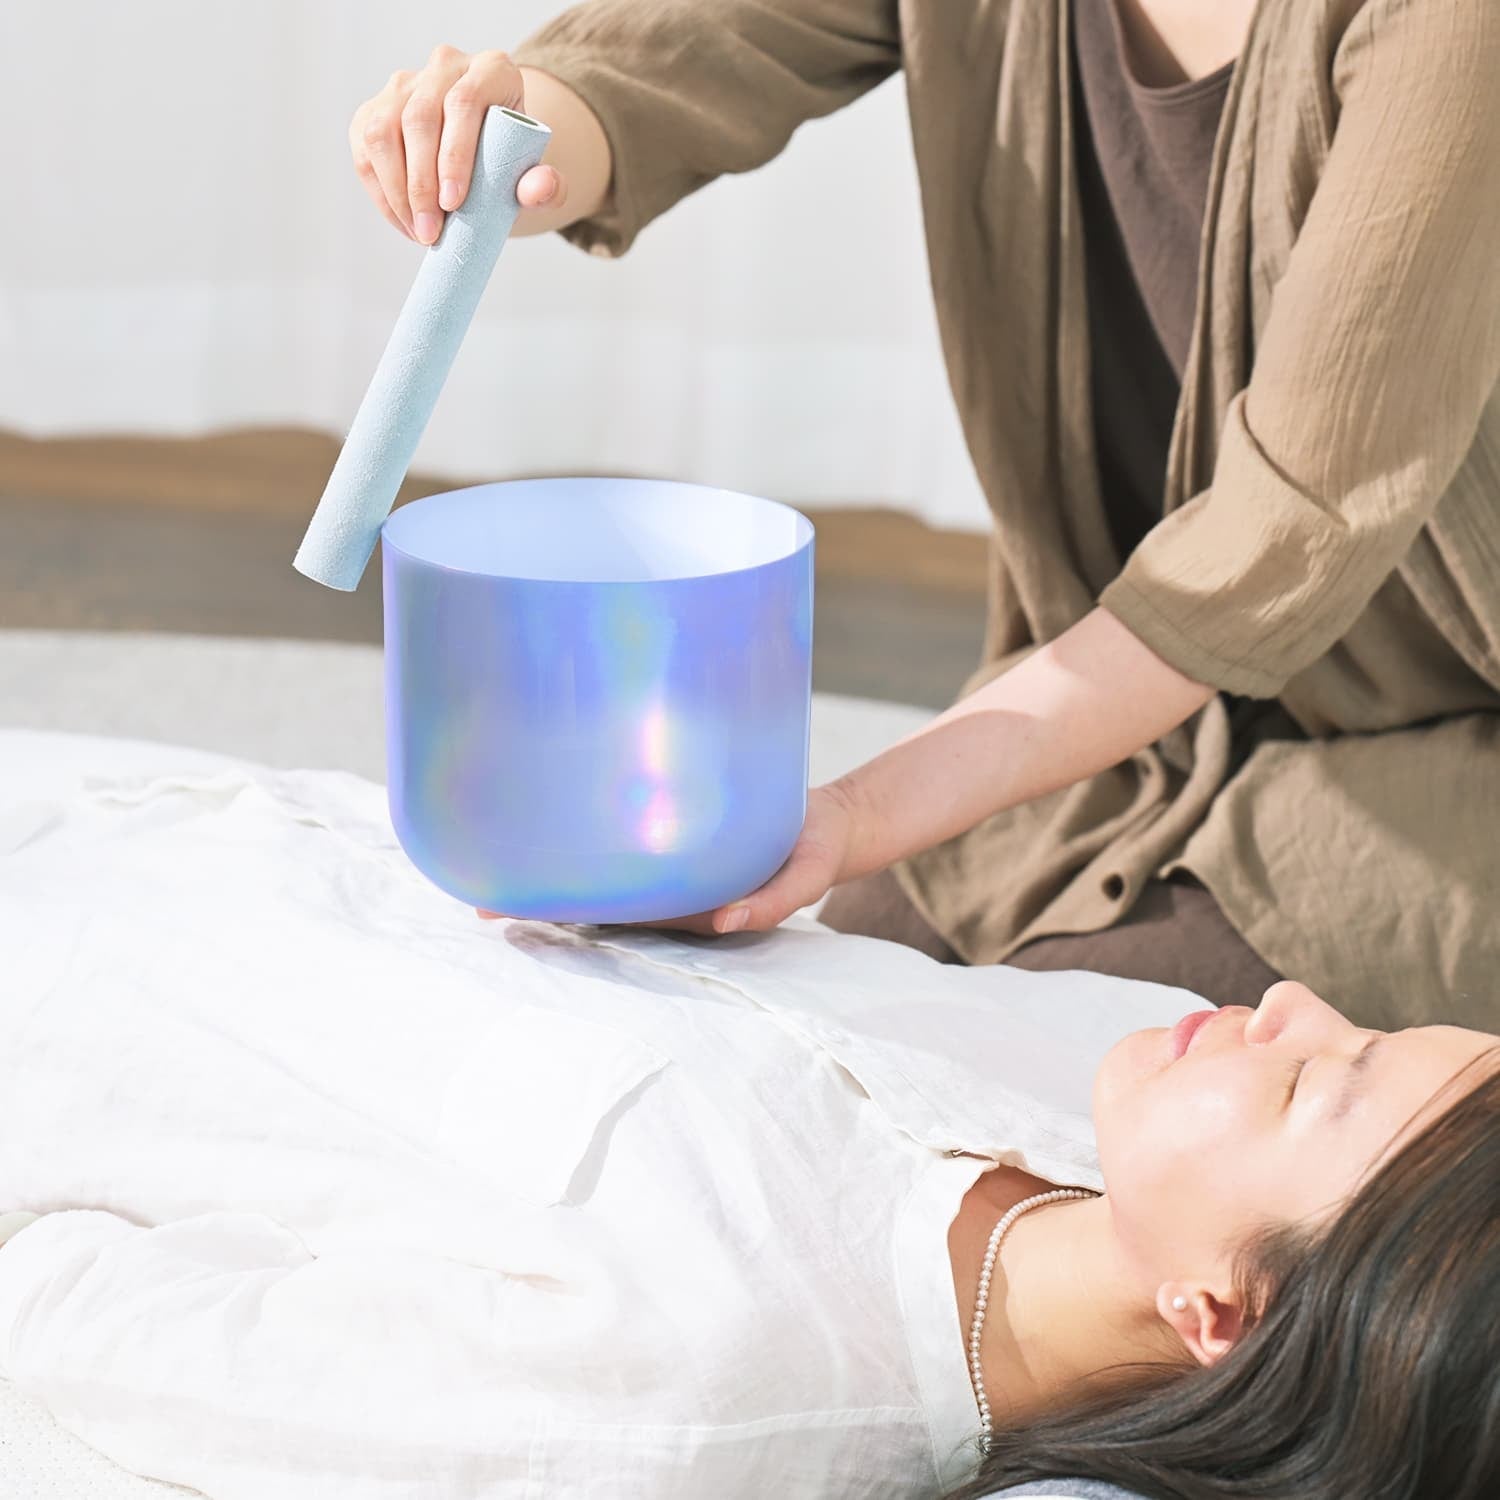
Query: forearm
579 149
1076 706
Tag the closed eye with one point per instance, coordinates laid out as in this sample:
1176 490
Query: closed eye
1293 1073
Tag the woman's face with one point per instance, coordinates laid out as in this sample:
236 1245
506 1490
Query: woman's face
1235 1118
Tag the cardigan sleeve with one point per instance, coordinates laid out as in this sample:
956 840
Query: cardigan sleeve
1380 353
689 89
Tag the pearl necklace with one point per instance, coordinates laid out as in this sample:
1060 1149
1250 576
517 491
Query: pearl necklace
976 1328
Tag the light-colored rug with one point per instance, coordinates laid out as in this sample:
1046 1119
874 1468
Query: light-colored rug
284 703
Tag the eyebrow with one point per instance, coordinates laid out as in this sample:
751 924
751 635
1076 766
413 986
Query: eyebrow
1357 1079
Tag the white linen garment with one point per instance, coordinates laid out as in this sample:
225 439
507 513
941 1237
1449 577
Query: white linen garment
346 1194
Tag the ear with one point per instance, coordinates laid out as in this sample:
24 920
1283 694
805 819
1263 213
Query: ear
1208 1325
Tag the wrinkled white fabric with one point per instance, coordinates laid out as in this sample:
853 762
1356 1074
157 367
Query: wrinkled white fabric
346 1194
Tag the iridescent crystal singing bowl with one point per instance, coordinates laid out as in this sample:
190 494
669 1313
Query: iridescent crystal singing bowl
598 694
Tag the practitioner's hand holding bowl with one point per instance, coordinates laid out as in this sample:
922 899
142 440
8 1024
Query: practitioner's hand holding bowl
822 857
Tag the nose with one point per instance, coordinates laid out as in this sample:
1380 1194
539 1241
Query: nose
1289 1008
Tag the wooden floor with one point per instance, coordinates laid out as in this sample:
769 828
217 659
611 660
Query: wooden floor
197 536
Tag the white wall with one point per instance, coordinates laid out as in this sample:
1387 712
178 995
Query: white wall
185 247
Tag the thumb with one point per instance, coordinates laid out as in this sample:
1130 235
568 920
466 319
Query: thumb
542 187
807 875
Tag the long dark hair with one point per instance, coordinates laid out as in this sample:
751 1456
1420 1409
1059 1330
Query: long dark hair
1372 1368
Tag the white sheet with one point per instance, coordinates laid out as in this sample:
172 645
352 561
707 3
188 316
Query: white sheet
109 703
919 1038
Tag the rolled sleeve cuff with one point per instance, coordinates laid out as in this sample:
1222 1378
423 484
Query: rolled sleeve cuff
1253 580
587 71
1136 608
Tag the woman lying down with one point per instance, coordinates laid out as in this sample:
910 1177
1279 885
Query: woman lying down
343 1193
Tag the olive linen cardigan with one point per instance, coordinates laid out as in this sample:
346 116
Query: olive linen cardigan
1329 553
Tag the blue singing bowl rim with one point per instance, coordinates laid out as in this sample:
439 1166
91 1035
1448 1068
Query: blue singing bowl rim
806 532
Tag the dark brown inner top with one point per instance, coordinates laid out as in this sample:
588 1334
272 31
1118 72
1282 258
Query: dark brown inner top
1143 159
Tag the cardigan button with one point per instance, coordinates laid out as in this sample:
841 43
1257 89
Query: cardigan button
1114 887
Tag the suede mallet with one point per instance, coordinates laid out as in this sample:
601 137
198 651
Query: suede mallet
405 387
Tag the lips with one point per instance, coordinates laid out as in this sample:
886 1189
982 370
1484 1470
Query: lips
1187 1028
